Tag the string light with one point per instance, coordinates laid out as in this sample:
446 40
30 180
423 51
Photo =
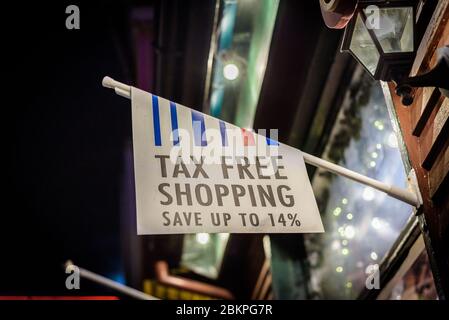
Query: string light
335 245
379 125
376 223
392 141
202 238
231 71
349 232
337 211
368 194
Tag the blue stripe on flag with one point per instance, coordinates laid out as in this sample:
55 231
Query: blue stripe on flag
174 123
271 142
224 140
156 121
199 129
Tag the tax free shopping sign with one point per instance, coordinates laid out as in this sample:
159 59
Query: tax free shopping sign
195 173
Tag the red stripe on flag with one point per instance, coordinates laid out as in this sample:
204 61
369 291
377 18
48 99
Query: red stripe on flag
248 138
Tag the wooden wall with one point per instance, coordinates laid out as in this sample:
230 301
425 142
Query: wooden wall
425 129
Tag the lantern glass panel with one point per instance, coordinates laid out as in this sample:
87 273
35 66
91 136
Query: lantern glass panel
363 47
394 29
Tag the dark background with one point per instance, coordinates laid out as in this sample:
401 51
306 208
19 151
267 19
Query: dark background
64 136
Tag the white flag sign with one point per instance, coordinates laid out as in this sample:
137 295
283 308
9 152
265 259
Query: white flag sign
195 173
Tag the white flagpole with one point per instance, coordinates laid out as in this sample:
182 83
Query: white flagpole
410 197
404 195
120 88
111 284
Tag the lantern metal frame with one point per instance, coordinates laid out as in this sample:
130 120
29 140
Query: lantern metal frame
392 65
